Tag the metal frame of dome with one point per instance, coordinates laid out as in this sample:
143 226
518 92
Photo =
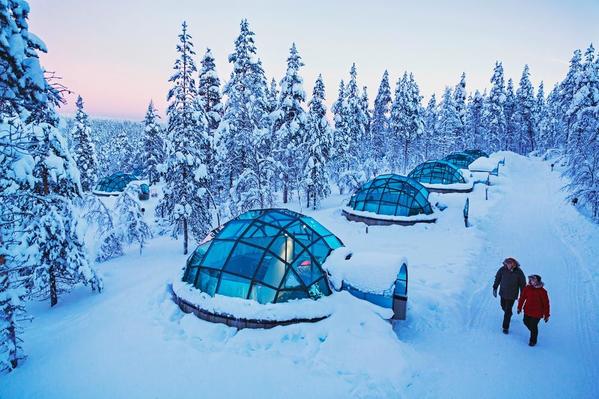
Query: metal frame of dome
390 195
269 255
439 172
113 184
460 159
477 153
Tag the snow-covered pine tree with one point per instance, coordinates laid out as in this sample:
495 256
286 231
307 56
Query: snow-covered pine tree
380 121
430 135
22 83
474 123
545 116
459 98
22 90
16 178
209 91
244 125
406 120
316 180
511 139
273 96
355 120
583 155
290 126
123 150
58 259
448 123
567 90
370 165
185 199
131 225
108 241
154 145
84 152
493 115
341 139
525 114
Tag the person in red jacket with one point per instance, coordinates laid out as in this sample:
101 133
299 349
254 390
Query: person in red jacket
535 301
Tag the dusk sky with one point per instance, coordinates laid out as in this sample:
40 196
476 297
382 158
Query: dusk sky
119 54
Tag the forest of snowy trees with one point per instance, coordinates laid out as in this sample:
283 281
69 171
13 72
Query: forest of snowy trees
248 143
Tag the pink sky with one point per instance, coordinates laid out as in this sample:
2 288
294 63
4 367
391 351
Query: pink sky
118 54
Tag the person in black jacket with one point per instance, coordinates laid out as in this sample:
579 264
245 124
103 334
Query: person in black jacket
511 281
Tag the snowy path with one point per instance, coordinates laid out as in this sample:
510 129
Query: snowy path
534 224
133 342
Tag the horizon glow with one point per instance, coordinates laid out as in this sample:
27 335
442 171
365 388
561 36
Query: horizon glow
119 55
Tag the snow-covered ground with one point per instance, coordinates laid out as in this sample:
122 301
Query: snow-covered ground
131 341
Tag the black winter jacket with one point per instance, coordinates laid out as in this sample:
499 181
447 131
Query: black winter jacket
511 282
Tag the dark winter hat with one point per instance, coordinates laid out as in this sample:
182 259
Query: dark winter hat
536 277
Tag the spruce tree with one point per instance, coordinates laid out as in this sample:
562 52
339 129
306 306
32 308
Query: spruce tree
185 200
154 145
493 114
525 114
583 143
84 152
341 139
406 120
290 126
448 123
459 98
567 90
209 91
380 120
273 96
131 225
474 123
429 132
245 123
316 180
355 123
511 139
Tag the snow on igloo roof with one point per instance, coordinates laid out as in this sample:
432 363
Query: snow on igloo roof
392 194
437 172
114 183
268 255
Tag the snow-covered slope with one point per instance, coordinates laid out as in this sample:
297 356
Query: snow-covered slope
132 341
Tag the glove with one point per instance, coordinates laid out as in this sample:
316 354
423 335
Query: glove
546 319
495 292
519 311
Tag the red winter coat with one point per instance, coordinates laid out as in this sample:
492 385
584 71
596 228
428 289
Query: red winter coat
535 301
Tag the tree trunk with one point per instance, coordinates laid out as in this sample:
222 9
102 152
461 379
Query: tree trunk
185 236
285 191
53 290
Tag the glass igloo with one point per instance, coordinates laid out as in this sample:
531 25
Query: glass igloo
392 195
460 159
477 153
268 255
437 172
114 184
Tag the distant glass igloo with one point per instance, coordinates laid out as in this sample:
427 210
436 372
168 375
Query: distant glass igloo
460 159
477 153
390 199
114 184
268 255
441 176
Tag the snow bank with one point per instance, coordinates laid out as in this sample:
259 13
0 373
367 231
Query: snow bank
249 309
391 218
